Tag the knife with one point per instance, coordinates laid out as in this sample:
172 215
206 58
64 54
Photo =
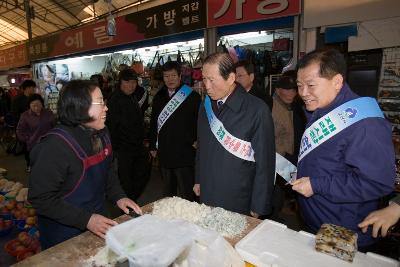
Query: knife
133 213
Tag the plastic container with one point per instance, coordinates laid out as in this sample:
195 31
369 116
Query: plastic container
273 244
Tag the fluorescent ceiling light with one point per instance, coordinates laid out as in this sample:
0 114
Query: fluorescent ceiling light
89 10
14 31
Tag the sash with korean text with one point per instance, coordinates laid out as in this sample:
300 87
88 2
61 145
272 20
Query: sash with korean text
141 101
173 105
243 149
336 121
238 147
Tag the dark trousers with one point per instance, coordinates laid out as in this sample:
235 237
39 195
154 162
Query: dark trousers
133 172
27 158
178 182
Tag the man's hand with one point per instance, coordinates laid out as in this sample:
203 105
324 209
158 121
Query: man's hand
253 214
125 203
196 189
99 224
303 186
194 145
381 219
153 153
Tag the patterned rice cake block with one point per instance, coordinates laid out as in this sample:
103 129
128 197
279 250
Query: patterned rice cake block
337 241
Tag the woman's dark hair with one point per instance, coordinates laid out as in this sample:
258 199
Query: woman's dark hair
34 97
225 63
172 65
330 61
74 102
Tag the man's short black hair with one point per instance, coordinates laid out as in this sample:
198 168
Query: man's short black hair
74 102
224 61
331 62
172 65
27 83
249 67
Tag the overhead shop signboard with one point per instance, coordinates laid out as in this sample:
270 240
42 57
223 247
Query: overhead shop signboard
175 17
13 57
226 12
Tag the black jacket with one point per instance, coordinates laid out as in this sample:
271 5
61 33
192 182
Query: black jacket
230 182
56 170
125 122
178 133
262 95
18 106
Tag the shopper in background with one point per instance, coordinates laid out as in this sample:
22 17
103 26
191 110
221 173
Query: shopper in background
174 139
340 181
20 102
245 77
19 105
5 103
289 124
235 166
71 169
34 123
125 122
289 118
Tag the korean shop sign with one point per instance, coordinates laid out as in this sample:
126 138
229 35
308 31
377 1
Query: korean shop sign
174 17
13 57
226 12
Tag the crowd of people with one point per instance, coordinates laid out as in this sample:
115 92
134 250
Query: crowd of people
220 151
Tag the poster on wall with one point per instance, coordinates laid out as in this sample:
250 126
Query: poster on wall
50 79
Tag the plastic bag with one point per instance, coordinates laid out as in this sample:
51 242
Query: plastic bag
152 241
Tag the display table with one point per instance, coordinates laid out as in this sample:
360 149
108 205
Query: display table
77 250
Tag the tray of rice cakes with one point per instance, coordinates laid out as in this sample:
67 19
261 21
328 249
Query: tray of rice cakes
273 244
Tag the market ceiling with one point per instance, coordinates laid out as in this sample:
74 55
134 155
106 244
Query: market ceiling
50 16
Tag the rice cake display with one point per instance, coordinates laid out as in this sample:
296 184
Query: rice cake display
336 241
228 224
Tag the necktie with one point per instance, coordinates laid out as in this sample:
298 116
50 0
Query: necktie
220 103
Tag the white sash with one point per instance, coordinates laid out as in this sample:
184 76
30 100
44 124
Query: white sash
238 147
141 102
336 121
172 105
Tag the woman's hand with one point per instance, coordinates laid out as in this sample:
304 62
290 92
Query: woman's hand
99 225
125 203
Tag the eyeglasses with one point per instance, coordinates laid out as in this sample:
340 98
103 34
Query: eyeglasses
101 103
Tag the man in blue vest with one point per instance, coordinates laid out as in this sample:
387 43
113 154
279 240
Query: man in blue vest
343 171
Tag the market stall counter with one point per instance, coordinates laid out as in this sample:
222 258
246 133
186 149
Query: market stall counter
79 250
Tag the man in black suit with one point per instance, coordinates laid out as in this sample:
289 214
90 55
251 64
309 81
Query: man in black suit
245 77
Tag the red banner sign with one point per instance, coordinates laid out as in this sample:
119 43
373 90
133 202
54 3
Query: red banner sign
174 17
228 12
13 57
